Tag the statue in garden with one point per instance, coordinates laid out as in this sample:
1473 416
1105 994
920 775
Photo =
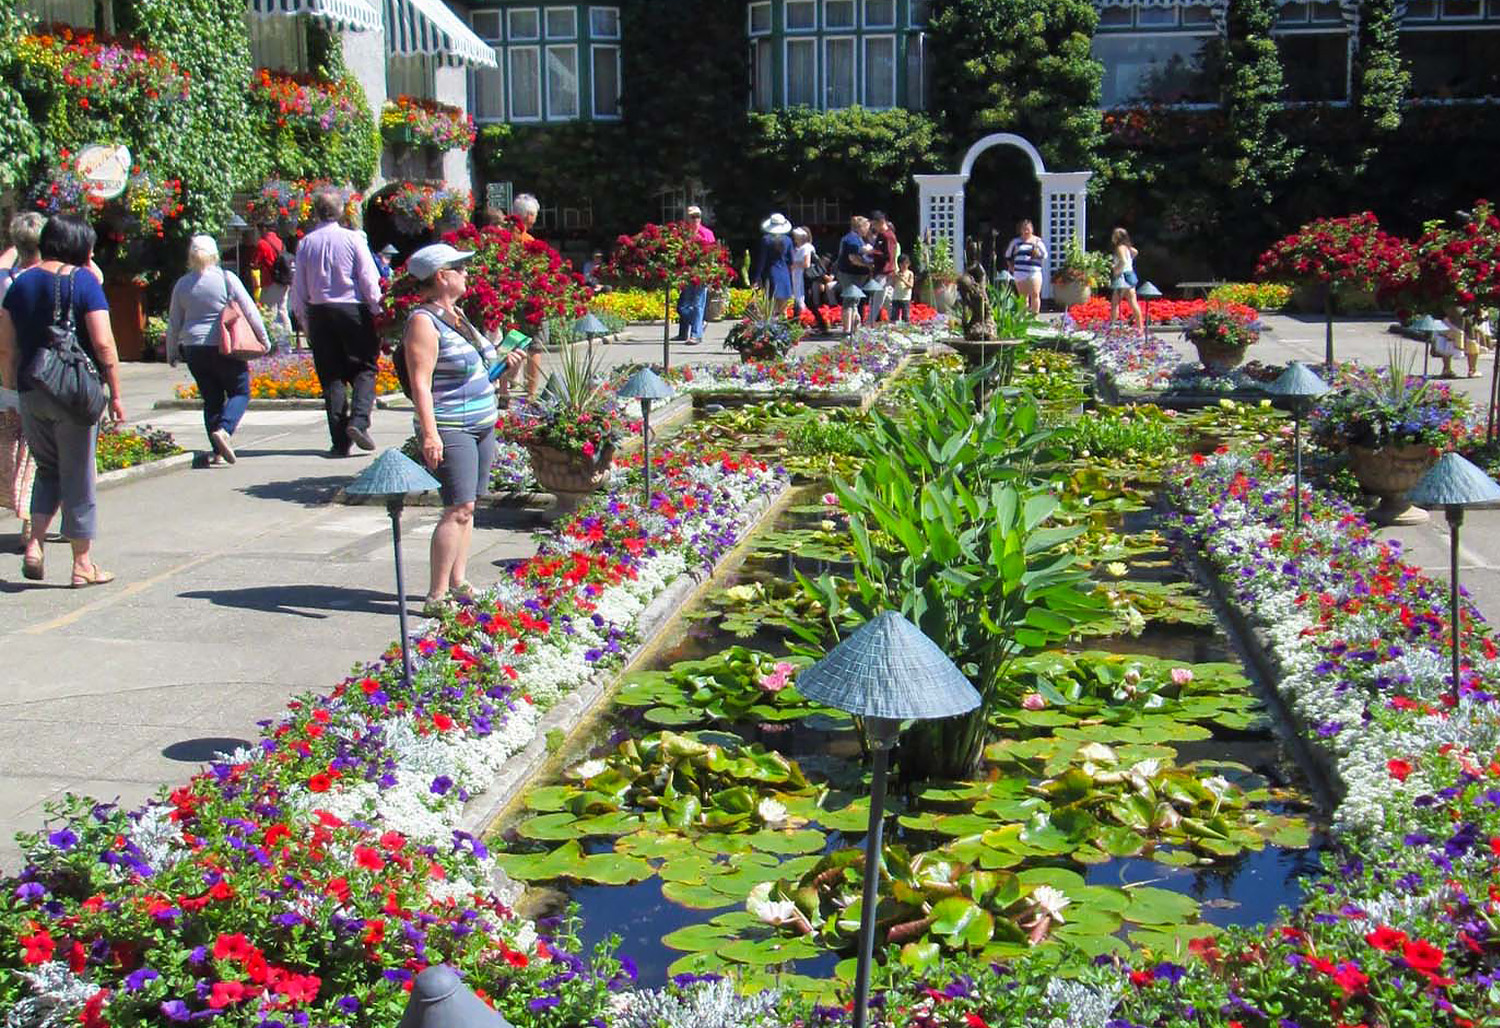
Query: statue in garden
974 304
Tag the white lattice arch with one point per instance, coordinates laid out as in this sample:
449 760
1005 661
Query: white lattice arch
1064 215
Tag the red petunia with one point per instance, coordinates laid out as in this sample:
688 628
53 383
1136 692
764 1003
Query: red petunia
1386 939
1422 955
1399 769
224 994
37 947
368 858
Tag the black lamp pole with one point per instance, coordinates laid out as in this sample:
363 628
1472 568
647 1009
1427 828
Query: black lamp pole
393 507
1296 464
646 445
1455 520
882 734
666 326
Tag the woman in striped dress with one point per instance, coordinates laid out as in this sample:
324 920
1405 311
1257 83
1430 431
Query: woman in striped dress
448 361
1027 257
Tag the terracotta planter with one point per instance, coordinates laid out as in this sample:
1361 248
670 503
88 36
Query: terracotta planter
1069 294
1218 358
568 476
1388 472
127 319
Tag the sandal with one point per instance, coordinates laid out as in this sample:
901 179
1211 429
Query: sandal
94 576
436 608
462 591
32 570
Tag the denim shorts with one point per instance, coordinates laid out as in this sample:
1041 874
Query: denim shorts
1131 279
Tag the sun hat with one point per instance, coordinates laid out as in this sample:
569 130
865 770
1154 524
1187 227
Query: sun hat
776 225
429 260
695 210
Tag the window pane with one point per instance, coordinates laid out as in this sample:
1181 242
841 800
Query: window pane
762 81
880 14
838 71
760 18
838 14
562 23
1114 18
1421 10
1154 69
487 94
919 10
1329 14
606 82
524 23
486 24
525 84
1197 14
1460 8
562 82
1315 65
801 72
1155 16
274 43
604 22
880 71
1452 64
916 96
801 15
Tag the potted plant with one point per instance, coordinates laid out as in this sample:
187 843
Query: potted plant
571 435
1221 337
1393 426
412 121
936 263
1078 274
417 207
666 257
765 333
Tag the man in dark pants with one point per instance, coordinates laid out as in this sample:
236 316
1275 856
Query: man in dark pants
336 293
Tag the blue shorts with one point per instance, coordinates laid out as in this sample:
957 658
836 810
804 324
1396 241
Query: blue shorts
1131 279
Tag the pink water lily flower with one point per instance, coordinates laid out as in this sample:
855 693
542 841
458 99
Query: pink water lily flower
1181 675
1033 701
779 678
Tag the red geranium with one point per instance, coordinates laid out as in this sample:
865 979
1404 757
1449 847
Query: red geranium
1352 251
659 256
1450 266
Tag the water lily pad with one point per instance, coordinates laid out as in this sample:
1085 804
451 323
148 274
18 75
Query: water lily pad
1068 881
612 869
775 950
616 822
693 869
540 867
673 717
1170 941
653 845
1152 906
803 840
700 962
697 897
550 827
548 797
695 938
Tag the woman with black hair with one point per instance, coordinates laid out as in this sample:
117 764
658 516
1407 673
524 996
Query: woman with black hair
63 450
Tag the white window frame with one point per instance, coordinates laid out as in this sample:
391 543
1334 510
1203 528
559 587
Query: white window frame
498 15
911 15
786 70
750 10
510 82
571 12
577 84
825 64
786 22
510 28
864 63
866 23
594 78
595 33
828 26
1171 22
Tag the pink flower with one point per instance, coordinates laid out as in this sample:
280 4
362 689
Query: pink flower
1181 675
588 449
1033 701
830 499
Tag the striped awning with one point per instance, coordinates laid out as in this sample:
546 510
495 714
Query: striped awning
429 27
352 15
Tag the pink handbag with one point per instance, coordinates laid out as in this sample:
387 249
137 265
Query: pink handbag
236 338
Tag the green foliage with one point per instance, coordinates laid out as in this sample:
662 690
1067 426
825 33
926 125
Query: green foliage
1253 156
845 153
297 148
1020 66
1381 80
126 447
19 143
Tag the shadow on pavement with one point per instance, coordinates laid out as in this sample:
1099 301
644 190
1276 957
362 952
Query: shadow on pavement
309 492
201 751
307 601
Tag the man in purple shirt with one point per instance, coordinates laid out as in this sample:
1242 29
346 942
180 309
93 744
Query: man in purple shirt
336 294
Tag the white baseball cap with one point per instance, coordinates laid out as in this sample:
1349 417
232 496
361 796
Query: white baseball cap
429 260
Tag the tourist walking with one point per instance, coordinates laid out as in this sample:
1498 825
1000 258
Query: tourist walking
523 214
692 300
852 267
820 285
882 256
193 334
1123 279
272 265
902 284
448 363
336 294
1026 259
62 448
16 466
773 260
802 258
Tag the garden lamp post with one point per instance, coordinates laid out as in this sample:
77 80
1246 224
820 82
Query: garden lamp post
851 294
1454 484
1428 327
440 999
886 672
646 385
393 475
1147 291
1299 384
237 225
590 328
389 252
1489 427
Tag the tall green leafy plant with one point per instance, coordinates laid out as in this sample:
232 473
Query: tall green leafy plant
949 522
1254 156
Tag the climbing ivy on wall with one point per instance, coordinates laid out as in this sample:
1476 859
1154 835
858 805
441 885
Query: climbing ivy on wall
1253 156
1381 81
349 157
19 142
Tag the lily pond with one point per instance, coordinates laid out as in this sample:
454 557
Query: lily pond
1128 788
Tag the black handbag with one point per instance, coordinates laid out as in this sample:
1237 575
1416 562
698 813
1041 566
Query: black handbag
61 370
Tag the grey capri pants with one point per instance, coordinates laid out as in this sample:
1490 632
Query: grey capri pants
467 460
64 455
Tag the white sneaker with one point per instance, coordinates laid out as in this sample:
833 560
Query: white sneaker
220 440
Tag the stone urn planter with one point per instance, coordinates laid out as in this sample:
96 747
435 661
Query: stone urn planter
569 476
1070 294
1388 472
713 309
1218 358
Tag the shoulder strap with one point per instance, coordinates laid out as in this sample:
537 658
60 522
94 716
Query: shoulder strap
468 333
57 303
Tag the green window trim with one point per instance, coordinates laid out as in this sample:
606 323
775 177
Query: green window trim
553 42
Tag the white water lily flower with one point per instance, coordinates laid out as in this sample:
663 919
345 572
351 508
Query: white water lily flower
1218 785
777 912
771 811
588 769
1049 902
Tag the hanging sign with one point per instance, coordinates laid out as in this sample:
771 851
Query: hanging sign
497 196
105 169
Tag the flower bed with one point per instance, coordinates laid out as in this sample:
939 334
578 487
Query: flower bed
851 366
290 376
1095 313
98 75
125 447
306 879
417 122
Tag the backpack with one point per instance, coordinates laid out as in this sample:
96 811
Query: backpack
282 267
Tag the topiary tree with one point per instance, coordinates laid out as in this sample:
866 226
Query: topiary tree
1381 81
1253 156
1020 66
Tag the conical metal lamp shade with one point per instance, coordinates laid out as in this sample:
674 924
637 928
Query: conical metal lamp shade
1298 380
645 384
889 669
440 999
393 473
1454 482
1427 323
1148 291
589 325
852 292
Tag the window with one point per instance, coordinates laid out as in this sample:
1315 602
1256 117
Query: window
1114 18
1197 14
523 24
80 13
838 73
760 19
525 73
1452 65
277 43
604 22
1161 68
562 83
605 73
916 71
762 84
1420 10
801 15
838 14
802 72
562 23
486 25
1155 17
1315 65
919 12
1461 10
880 14
487 85
880 71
